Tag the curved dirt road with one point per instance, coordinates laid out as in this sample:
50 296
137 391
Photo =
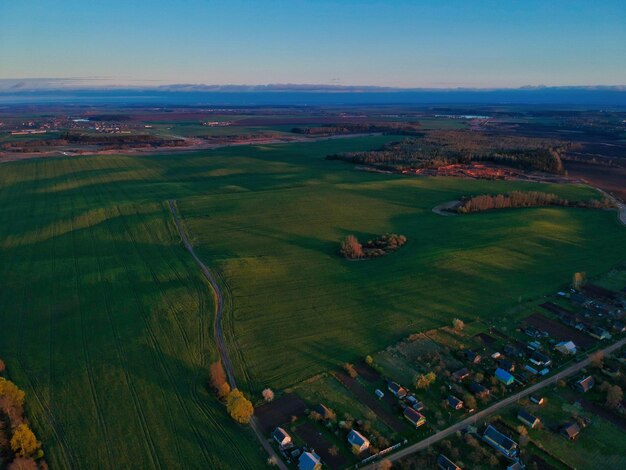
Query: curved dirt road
219 335
445 208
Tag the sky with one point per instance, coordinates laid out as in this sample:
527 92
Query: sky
397 43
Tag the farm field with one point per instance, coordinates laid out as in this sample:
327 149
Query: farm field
100 305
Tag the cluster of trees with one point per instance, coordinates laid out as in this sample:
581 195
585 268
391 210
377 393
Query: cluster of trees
351 248
515 199
237 405
397 128
18 443
423 381
440 148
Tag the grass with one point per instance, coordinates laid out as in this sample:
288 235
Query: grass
107 323
598 445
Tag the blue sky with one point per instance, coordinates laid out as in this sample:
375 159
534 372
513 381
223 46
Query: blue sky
438 43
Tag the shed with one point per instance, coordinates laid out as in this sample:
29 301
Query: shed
398 390
444 463
528 419
461 374
585 384
282 437
454 402
570 431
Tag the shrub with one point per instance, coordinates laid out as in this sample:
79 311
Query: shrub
268 395
351 248
21 463
2 366
218 380
369 360
425 380
458 325
350 370
239 407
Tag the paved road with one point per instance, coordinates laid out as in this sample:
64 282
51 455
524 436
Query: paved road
493 408
219 335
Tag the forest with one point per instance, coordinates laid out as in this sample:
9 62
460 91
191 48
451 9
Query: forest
445 147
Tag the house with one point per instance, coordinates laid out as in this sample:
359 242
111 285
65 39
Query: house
570 431
511 350
528 419
454 402
396 389
415 417
566 347
504 377
599 333
444 463
496 355
478 389
507 365
358 441
309 461
537 399
471 356
418 406
500 442
324 412
282 437
610 370
619 327
379 393
461 374
585 384
540 359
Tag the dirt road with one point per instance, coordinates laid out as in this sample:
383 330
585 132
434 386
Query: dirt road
493 408
446 208
219 335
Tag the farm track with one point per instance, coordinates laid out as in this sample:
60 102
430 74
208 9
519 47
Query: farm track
495 407
219 335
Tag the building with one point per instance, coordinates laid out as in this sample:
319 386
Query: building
324 411
599 333
454 402
507 365
379 393
358 441
528 419
504 377
397 389
500 442
415 417
566 347
585 384
282 437
540 359
478 389
537 399
309 461
570 431
461 374
444 463
471 356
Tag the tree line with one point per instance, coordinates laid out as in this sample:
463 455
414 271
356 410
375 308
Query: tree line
397 128
517 199
18 443
351 248
441 148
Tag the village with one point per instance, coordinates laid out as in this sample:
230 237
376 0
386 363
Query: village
360 414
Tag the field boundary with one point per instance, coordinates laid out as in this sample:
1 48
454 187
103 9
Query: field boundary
219 334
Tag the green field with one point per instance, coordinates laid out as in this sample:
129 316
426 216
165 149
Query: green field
107 323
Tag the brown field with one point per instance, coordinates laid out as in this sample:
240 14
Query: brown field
611 179
316 440
280 411
559 331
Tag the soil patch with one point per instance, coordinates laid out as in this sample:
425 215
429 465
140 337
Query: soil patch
371 402
559 331
280 411
317 441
